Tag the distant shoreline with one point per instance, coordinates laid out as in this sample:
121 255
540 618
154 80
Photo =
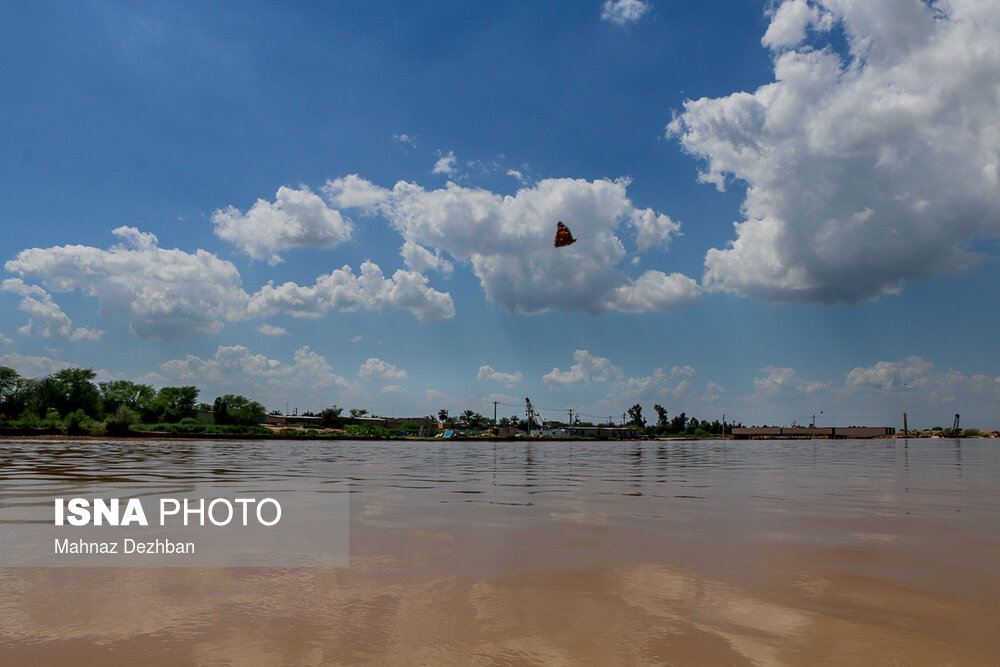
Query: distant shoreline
8 434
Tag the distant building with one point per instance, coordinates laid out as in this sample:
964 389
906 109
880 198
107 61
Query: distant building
604 432
281 420
853 432
396 423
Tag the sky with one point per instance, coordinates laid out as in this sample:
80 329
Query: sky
785 211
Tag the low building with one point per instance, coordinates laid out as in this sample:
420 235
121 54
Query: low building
397 423
604 432
284 420
845 432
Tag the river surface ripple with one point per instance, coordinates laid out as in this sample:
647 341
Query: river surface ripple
543 552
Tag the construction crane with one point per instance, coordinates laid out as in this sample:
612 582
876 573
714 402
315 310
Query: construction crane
532 415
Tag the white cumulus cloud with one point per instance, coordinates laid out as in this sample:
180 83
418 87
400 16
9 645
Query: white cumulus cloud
588 368
786 380
927 389
271 330
296 218
507 240
236 365
169 294
863 169
377 369
624 12
341 289
230 364
45 318
891 375
36 367
165 293
445 164
791 21
421 260
487 373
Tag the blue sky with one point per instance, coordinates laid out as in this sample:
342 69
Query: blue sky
782 208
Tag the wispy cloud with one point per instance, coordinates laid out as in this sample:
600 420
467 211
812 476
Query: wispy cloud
271 330
445 164
487 373
624 12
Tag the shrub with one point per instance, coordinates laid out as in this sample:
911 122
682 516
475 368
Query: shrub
77 422
28 419
121 421
51 420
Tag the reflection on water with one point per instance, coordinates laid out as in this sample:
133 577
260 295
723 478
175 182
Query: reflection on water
712 552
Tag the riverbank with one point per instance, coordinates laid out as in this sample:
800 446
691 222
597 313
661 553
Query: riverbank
334 434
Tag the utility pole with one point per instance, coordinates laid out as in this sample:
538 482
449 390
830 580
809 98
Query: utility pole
495 412
905 430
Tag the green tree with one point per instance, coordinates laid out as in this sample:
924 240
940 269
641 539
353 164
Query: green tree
237 410
661 417
331 417
69 390
173 404
11 392
357 413
470 419
119 393
635 416
679 423
443 415
411 427
28 397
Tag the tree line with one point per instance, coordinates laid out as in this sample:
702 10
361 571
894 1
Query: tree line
678 425
70 400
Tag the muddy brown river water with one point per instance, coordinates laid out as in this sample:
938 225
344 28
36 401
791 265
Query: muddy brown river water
879 552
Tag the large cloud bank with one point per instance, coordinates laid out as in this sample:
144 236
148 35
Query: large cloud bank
167 294
863 169
507 240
